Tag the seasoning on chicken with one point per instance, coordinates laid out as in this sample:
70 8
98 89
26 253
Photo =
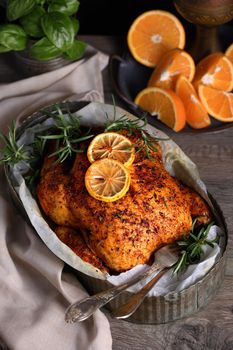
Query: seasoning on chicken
156 210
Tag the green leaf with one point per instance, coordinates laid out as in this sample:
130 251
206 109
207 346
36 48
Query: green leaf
59 29
75 25
19 8
13 37
4 49
31 23
44 50
76 51
68 7
40 2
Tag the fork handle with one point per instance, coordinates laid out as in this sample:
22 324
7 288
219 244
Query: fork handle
135 301
82 309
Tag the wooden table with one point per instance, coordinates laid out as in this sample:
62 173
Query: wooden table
211 327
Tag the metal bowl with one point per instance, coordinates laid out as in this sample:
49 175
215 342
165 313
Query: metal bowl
154 310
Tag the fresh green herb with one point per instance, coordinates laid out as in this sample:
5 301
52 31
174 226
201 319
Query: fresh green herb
192 246
47 29
67 134
125 123
12 153
145 141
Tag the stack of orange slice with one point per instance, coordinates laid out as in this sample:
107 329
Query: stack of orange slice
172 64
108 177
214 81
204 90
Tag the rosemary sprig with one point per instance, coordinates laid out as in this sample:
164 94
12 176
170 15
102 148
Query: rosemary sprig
124 123
192 246
145 142
12 153
67 134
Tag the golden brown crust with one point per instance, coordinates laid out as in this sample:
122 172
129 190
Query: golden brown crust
74 240
156 210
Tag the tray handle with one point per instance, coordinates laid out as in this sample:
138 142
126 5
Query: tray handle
114 62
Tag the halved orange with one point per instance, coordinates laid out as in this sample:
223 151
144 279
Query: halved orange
229 53
219 104
215 71
196 114
164 104
107 180
111 145
172 64
152 34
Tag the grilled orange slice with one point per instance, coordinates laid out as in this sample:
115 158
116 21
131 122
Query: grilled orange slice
111 145
107 180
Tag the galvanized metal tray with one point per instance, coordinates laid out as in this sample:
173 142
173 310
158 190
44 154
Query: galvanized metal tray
154 310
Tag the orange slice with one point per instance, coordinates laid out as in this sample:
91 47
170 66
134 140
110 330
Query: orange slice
219 104
111 145
229 53
164 104
107 180
196 114
215 71
174 63
152 34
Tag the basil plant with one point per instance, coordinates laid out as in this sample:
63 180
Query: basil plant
47 28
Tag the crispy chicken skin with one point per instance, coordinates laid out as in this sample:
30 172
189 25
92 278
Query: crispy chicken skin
156 210
74 240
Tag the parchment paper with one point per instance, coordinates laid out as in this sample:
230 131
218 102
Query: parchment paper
177 164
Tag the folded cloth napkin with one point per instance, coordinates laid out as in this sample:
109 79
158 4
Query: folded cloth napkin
34 288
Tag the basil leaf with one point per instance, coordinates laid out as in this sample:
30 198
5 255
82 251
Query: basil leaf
19 8
40 2
4 49
13 37
44 50
75 25
59 29
31 23
68 7
76 51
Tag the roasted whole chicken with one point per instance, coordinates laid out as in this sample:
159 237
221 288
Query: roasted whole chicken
157 210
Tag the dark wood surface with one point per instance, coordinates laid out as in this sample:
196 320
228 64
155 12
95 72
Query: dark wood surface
212 326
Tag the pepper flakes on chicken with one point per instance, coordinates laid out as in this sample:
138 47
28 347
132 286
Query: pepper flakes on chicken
157 209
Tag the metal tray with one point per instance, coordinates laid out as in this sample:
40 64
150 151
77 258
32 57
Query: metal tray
154 310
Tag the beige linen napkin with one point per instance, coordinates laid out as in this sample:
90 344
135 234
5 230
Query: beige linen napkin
34 289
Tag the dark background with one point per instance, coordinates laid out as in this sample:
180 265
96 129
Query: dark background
114 17
111 17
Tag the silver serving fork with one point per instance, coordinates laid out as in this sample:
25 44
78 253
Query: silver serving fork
164 258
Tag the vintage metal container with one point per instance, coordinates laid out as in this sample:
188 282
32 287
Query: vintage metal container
154 310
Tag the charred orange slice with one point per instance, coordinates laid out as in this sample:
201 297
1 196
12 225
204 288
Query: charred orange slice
111 145
107 180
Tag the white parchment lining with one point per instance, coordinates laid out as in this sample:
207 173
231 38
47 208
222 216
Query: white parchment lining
175 161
